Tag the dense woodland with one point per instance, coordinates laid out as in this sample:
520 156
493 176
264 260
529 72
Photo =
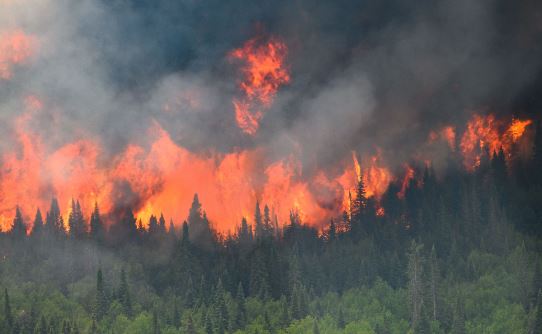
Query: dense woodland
459 253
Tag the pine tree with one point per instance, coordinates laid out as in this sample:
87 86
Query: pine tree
162 225
537 325
415 283
340 319
208 325
97 230
155 323
240 316
332 233
8 316
458 324
18 228
76 221
220 310
200 231
176 317
37 229
190 328
268 225
258 224
434 281
422 325
54 223
244 233
315 329
153 226
42 327
124 294
101 297
536 285
185 238
93 327
284 316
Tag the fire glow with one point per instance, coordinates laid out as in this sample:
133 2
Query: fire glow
15 48
162 177
263 71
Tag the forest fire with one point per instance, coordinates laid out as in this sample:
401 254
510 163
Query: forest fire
263 70
15 48
163 176
488 133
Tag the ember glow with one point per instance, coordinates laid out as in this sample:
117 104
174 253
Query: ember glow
15 48
262 63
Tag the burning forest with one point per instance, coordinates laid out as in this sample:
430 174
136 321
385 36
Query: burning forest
209 167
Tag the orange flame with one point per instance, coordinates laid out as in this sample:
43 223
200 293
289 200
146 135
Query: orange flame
484 132
376 177
409 175
15 48
263 73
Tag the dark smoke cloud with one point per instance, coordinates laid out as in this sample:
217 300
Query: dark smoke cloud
364 73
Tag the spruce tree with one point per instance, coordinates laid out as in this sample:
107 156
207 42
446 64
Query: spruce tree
76 221
124 294
54 223
258 223
267 224
315 329
189 327
37 229
220 310
458 323
8 316
155 323
18 228
415 282
240 316
97 230
176 316
42 327
162 225
101 297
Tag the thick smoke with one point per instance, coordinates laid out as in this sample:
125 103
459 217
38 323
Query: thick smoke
365 74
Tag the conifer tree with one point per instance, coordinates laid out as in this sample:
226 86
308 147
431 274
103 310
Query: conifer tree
54 222
76 221
189 327
162 225
258 223
97 230
240 316
155 323
332 233
458 324
101 297
42 327
18 228
176 317
315 329
37 229
220 310
340 319
537 325
8 316
268 225
124 294
153 225
415 283
434 282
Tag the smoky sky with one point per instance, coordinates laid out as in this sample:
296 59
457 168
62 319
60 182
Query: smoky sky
364 74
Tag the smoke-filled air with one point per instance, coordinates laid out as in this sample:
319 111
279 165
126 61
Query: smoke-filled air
270 167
